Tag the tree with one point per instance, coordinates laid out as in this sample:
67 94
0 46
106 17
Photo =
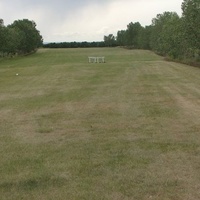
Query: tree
191 19
110 40
121 38
1 23
20 37
30 37
166 32
2 36
172 37
132 34
11 40
144 37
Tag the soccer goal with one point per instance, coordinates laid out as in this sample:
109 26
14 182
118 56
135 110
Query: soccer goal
96 59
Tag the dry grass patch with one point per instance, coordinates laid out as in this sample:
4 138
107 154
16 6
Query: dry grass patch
126 129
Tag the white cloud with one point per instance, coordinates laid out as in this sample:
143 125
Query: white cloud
83 20
96 20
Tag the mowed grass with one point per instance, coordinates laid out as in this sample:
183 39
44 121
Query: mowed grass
126 129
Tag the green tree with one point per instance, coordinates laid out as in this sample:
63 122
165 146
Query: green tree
2 36
132 34
110 40
144 37
30 37
121 38
166 32
191 24
1 22
172 37
12 40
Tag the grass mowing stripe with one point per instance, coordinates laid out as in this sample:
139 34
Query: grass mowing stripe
125 129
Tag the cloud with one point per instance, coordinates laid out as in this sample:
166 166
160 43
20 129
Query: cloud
84 20
96 20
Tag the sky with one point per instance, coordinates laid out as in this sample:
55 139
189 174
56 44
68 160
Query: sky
84 20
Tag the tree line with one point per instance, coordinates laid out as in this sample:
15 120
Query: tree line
74 44
169 34
20 37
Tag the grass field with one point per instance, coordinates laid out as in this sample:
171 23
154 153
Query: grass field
128 129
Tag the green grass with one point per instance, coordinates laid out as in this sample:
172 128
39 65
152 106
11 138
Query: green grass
126 129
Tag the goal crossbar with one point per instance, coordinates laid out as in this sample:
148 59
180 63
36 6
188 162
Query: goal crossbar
96 59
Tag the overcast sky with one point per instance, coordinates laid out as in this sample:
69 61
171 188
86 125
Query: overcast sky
84 20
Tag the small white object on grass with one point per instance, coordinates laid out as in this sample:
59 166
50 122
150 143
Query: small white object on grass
17 74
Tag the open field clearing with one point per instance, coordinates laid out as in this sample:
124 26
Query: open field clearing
128 129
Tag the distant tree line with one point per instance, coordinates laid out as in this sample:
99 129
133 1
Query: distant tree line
168 35
74 44
21 37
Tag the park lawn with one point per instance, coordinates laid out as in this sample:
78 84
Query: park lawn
125 129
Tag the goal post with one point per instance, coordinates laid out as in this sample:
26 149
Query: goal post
96 59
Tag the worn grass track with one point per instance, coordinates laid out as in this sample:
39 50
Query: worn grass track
126 129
